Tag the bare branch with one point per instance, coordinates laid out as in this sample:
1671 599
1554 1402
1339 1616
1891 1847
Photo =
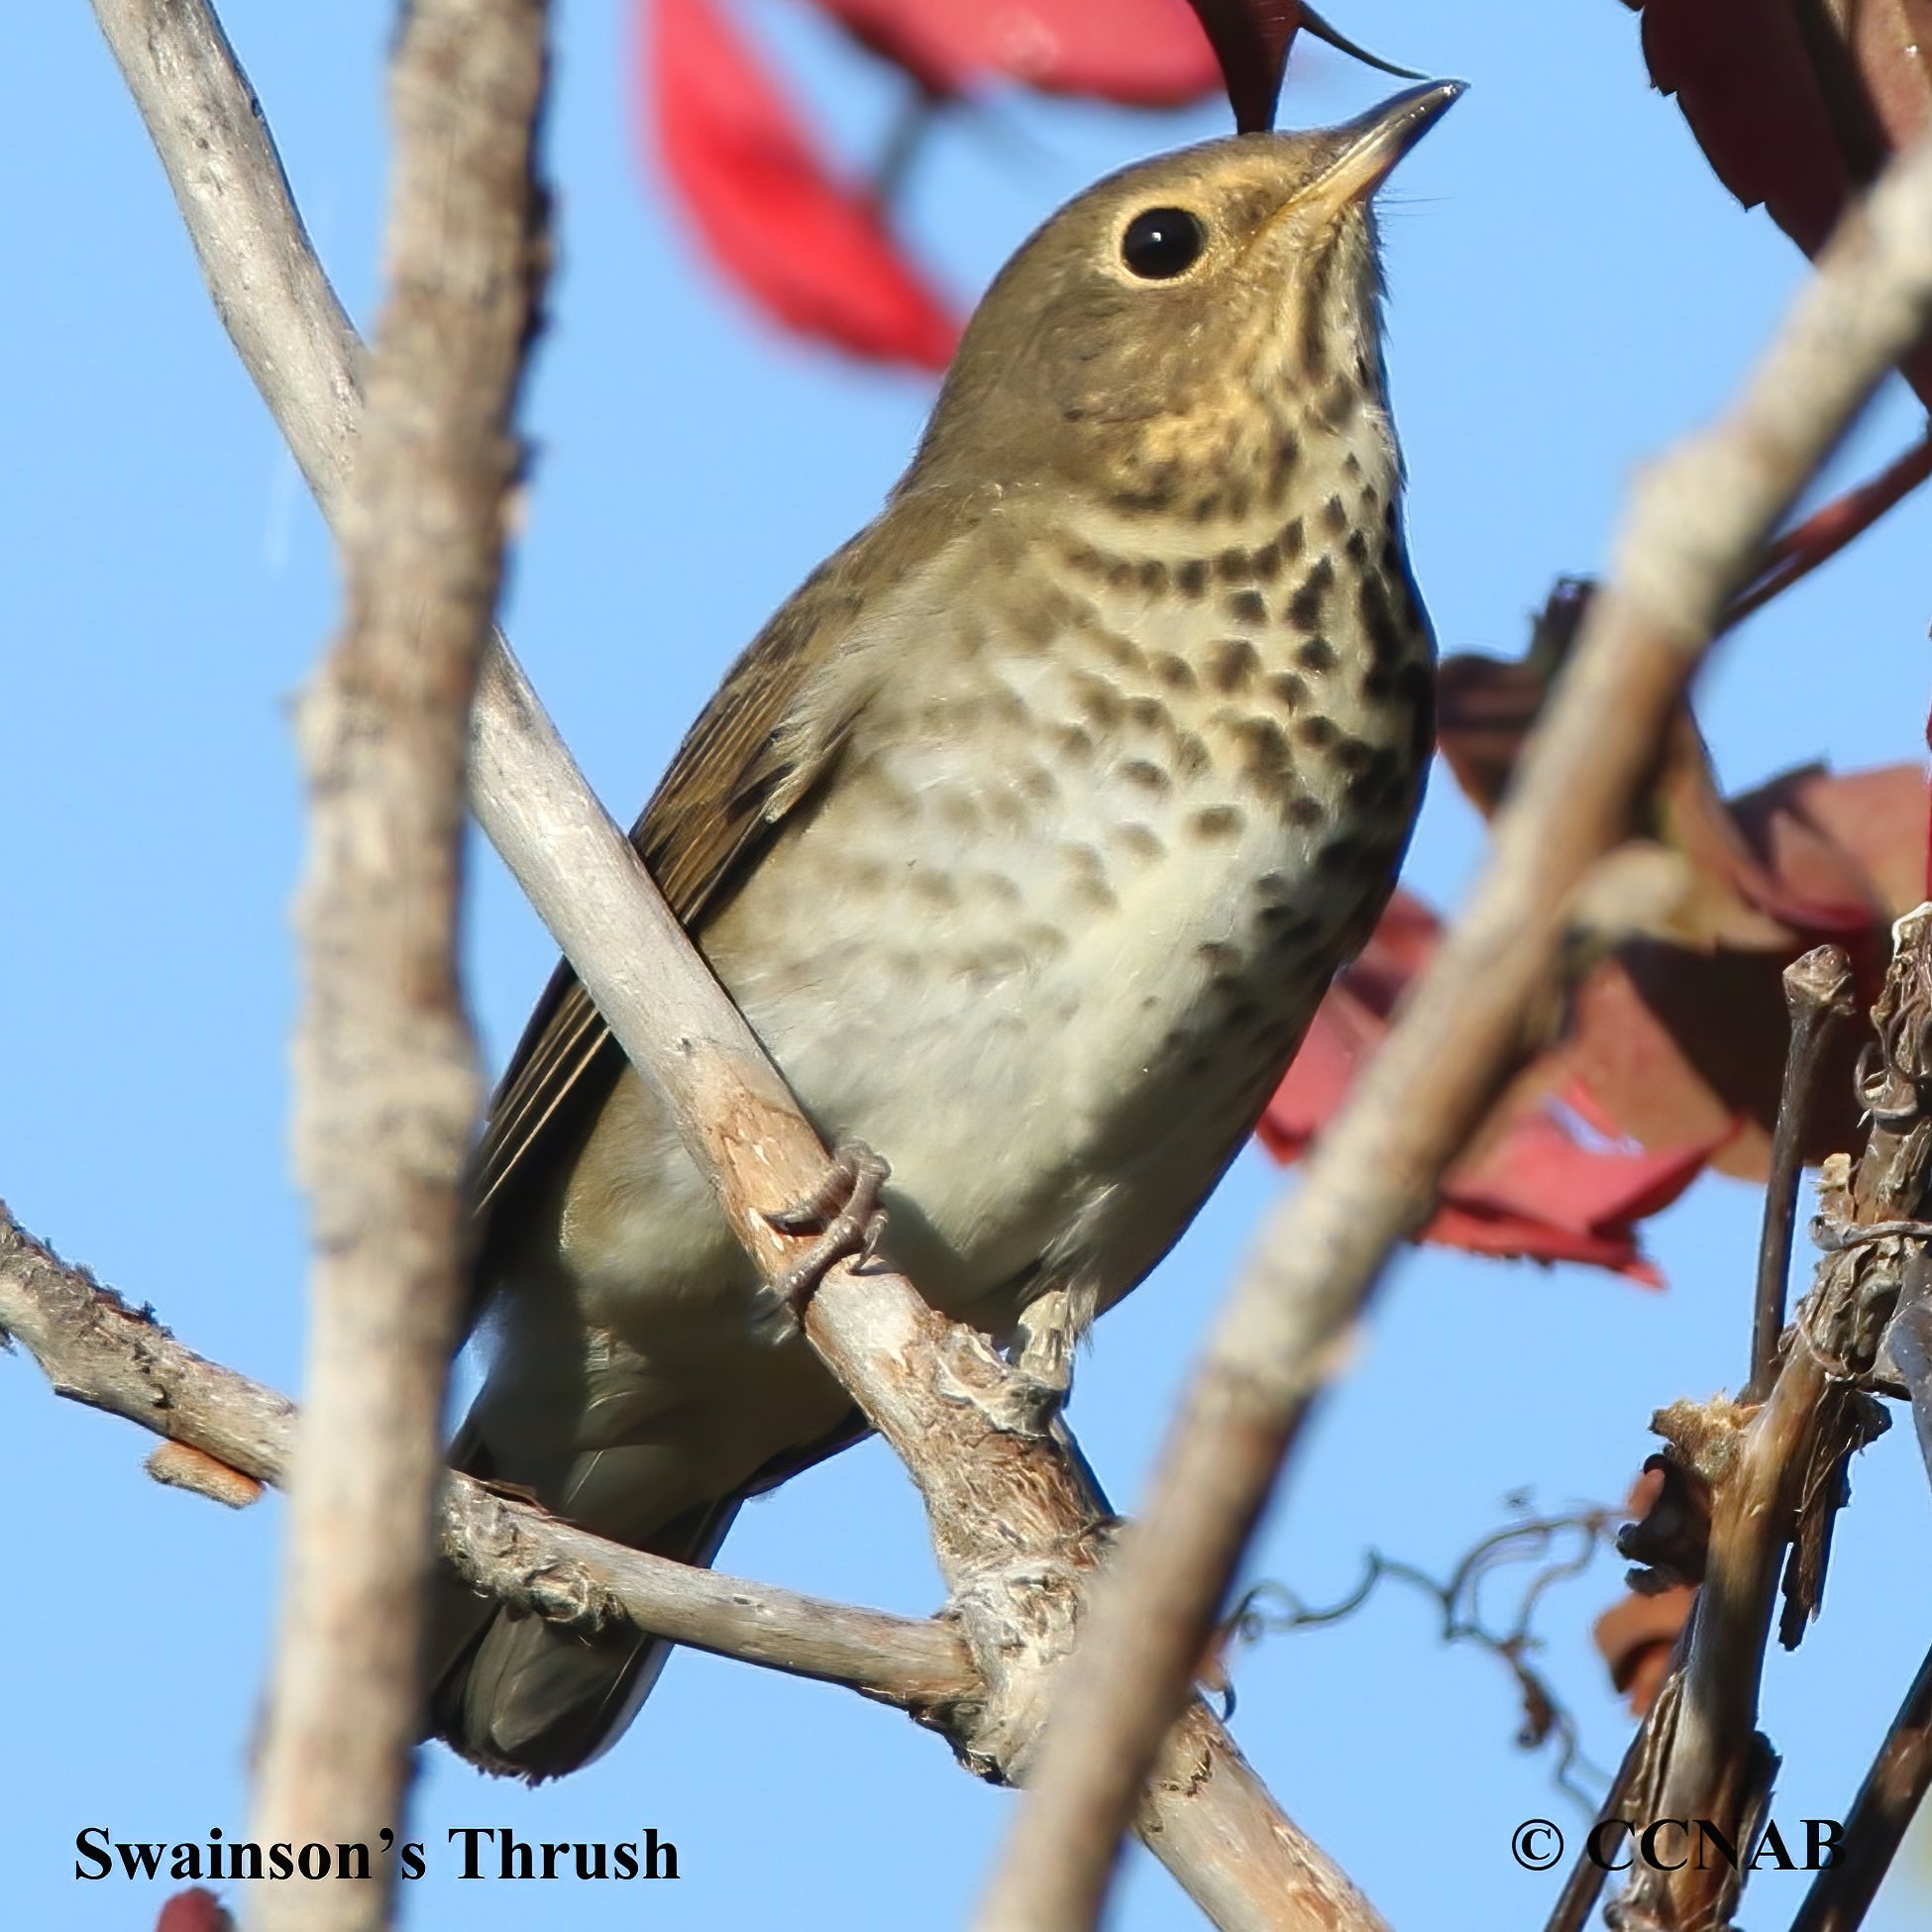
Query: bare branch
1830 529
1875 1826
386 1084
1578 1900
1776 1474
95 1348
1817 993
268 289
1241 1862
1696 526
1011 1516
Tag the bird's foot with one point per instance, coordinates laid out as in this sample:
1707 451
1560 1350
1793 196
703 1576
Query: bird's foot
843 1210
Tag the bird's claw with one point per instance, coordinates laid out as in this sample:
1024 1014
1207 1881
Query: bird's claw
843 1210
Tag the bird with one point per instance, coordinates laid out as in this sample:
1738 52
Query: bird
1026 835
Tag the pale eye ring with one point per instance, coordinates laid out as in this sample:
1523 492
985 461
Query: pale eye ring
1160 244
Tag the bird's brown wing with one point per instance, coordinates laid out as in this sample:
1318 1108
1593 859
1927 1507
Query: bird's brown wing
762 747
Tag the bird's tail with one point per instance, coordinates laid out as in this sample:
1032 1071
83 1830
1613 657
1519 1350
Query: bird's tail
532 1699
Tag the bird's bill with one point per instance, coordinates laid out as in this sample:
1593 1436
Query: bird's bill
1377 140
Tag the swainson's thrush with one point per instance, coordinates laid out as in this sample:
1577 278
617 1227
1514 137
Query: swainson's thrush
1026 835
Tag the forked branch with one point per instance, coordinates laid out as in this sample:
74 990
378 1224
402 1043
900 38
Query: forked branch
95 1348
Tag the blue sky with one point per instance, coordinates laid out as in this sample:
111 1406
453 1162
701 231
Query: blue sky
1570 290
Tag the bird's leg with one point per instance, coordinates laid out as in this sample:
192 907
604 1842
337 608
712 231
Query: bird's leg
1049 1332
843 1210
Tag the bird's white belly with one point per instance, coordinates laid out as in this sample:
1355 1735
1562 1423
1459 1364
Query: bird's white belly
1048 940
1031 979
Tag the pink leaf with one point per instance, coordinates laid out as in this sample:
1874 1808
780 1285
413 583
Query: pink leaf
1140 53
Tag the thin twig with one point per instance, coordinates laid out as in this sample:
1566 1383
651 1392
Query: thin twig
912 123
387 1083
1828 530
1271 1607
1008 1510
98 1350
1873 1830
1818 995
1694 526
1571 1912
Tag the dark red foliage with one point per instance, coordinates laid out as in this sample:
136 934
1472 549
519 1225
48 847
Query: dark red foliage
1683 1030
1738 68
810 250
1799 108
1680 1031
1794 109
1540 1180
1667 1053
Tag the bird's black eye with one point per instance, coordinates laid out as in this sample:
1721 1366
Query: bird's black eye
1162 242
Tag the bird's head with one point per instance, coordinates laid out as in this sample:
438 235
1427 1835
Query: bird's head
1134 332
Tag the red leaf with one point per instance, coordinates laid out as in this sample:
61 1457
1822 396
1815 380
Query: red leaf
1535 1184
1792 109
1542 1190
1741 71
1872 816
1677 1034
1637 1637
1140 53
1675 1045
1677 1037
195 1910
812 251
